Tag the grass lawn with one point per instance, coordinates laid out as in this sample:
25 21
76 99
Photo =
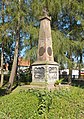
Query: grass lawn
64 103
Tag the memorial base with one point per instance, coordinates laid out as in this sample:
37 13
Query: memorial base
45 73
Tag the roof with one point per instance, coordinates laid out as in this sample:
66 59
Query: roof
23 62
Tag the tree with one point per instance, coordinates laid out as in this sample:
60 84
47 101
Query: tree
17 12
67 24
3 36
31 44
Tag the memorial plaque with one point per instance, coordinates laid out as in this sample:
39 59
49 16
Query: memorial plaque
49 50
53 73
39 72
52 69
41 51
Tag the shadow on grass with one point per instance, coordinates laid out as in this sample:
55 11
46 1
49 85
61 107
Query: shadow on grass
2 91
5 90
14 87
78 83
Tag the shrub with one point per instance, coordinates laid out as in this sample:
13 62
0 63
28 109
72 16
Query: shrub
24 76
58 82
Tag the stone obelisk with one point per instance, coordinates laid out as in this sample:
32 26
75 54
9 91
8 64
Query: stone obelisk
45 69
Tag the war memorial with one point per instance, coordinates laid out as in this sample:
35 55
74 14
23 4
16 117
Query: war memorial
45 69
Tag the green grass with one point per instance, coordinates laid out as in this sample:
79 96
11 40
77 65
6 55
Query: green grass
66 103
20 105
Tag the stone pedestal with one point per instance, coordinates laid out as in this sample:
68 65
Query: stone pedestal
45 73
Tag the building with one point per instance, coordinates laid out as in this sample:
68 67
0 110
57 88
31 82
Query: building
23 63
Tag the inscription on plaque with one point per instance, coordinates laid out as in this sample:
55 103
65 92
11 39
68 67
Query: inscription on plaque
53 73
52 69
39 72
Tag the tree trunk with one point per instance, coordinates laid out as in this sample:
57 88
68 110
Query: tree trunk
2 52
80 64
70 56
70 68
14 66
2 71
70 76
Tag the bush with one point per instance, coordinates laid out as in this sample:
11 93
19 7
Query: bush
24 76
58 82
